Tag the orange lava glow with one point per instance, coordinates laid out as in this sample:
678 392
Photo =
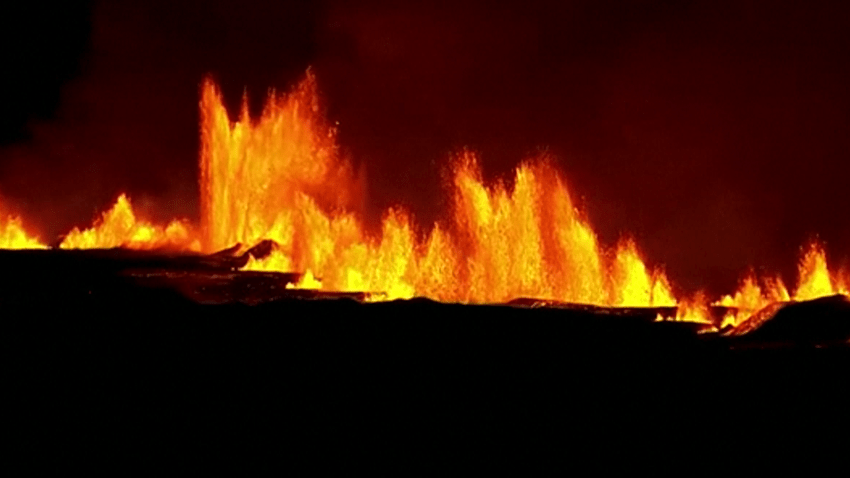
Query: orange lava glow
280 176
814 280
500 244
815 277
751 297
119 227
255 176
694 309
13 235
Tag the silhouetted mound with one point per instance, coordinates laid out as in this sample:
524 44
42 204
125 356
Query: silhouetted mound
107 276
146 358
820 322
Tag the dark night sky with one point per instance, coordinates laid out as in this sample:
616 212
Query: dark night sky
717 132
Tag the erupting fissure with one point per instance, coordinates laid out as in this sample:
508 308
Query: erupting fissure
281 177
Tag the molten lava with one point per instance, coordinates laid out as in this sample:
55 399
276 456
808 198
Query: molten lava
256 175
281 177
13 235
814 280
119 227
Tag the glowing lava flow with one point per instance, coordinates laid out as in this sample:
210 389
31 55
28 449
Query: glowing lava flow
815 277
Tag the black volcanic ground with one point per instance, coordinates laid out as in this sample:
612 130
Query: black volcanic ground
131 357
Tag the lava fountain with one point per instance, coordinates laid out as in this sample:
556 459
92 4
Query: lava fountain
281 177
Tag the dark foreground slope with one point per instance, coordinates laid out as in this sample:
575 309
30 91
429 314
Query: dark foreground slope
108 372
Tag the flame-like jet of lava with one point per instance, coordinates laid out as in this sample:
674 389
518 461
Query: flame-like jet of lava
279 177
256 175
814 280
815 277
119 227
13 235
